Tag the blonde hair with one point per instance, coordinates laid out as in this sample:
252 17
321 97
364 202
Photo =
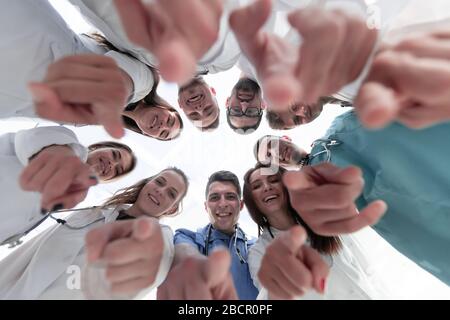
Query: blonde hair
129 195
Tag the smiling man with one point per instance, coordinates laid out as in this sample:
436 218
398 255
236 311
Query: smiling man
279 151
245 106
192 276
198 101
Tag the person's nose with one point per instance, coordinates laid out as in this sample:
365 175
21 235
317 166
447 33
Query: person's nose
244 105
199 106
267 186
223 203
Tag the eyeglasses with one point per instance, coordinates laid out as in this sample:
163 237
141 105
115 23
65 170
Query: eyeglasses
251 112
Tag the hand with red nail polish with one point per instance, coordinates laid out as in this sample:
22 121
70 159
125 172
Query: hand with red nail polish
289 268
84 89
59 175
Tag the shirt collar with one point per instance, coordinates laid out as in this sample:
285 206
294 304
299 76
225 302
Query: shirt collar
216 234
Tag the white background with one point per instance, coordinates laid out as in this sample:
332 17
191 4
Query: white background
200 154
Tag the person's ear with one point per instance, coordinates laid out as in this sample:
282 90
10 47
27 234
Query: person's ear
286 138
180 104
241 205
213 91
263 105
206 207
227 104
172 211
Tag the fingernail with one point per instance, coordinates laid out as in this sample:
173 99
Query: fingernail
322 285
44 211
57 207
94 178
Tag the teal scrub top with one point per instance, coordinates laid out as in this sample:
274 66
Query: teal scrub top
410 171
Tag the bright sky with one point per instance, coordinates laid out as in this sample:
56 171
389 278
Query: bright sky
200 154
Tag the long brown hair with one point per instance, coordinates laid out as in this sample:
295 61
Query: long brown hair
152 100
116 145
327 245
129 195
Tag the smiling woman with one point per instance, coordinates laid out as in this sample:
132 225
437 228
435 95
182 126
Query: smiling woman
201 154
153 116
111 160
155 197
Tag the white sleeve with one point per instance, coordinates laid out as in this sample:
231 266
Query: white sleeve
29 142
255 256
139 73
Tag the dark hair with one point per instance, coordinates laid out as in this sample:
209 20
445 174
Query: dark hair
277 123
328 245
224 176
274 120
244 130
130 194
151 100
116 145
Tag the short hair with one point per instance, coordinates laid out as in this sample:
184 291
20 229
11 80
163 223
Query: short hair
275 121
224 176
244 130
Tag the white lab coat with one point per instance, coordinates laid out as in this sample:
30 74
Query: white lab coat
386 10
21 209
32 36
224 53
349 277
42 267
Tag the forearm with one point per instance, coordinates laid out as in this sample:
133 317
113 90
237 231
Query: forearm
28 143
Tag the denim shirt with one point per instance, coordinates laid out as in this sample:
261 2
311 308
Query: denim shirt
239 266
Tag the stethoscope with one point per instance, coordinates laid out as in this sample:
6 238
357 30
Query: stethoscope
238 252
16 240
325 143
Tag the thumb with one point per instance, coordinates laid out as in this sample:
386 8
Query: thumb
376 105
323 173
46 102
97 239
133 15
247 21
176 60
110 117
293 239
144 228
217 267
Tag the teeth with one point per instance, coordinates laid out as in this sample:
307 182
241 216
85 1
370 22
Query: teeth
196 98
154 121
153 199
270 198
223 214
